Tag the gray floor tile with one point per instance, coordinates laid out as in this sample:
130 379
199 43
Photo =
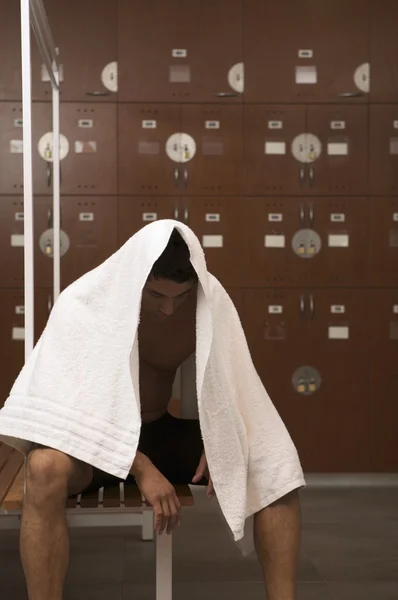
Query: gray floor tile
365 591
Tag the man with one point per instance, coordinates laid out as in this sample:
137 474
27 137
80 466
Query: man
170 451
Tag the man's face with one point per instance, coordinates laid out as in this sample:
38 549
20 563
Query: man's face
161 298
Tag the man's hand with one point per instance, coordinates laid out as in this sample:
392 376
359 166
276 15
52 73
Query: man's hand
203 471
160 494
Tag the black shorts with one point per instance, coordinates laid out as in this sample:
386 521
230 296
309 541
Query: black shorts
173 445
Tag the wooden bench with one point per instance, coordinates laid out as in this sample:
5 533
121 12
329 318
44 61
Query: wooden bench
113 506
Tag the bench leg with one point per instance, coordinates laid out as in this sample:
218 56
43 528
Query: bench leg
164 567
147 532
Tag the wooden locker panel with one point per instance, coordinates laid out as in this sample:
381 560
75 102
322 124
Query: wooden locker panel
305 51
12 242
383 328
222 229
10 47
341 168
276 333
144 166
270 166
12 332
135 212
383 153
86 35
384 241
216 167
337 414
180 51
384 50
11 148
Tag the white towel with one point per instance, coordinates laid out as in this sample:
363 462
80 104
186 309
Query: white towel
77 393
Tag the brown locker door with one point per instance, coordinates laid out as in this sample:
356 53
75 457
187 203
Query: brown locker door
173 51
383 155
269 163
339 242
383 325
88 238
144 165
86 35
384 51
271 226
213 154
340 161
136 212
11 242
384 241
10 50
276 333
338 410
12 332
221 227
11 148
306 51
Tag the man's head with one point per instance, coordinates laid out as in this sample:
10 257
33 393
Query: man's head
171 280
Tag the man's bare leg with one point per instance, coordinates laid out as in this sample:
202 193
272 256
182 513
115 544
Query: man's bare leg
277 541
44 541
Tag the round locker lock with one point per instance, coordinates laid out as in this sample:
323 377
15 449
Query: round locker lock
46 242
362 78
109 77
45 146
306 243
306 148
306 381
181 147
236 77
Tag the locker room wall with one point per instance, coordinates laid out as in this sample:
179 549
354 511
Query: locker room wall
261 126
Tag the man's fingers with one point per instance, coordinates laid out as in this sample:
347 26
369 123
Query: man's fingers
159 517
201 470
174 509
210 489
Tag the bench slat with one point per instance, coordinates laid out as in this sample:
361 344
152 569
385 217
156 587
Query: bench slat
11 462
89 500
112 497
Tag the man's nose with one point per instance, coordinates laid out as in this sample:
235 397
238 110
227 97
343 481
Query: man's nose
167 307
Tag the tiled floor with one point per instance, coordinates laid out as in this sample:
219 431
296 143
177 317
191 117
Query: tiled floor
349 552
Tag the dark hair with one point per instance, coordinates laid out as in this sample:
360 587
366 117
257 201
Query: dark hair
174 263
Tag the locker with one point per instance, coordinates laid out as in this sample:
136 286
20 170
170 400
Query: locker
383 153
384 241
320 242
88 237
180 51
11 148
10 47
384 49
86 34
306 51
269 164
383 328
12 332
136 212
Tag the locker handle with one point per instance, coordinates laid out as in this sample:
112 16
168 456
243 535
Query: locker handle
176 213
50 220
98 93
302 214
312 306
311 216
176 176
186 214
49 304
226 94
312 177
302 304
351 95
49 173
302 176
186 176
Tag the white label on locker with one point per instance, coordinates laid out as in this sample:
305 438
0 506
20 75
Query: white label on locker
149 217
18 122
85 147
213 217
339 333
395 217
275 124
305 53
337 217
149 124
179 53
212 241
18 333
212 124
337 125
16 146
19 216
338 240
275 309
395 124
395 309
109 76
17 240
337 149
19 310
86 216
85 123
274 241
275 217
306 75
275 148
393 145
337 309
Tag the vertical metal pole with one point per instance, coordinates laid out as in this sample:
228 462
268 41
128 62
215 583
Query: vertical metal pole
27 177
56 191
